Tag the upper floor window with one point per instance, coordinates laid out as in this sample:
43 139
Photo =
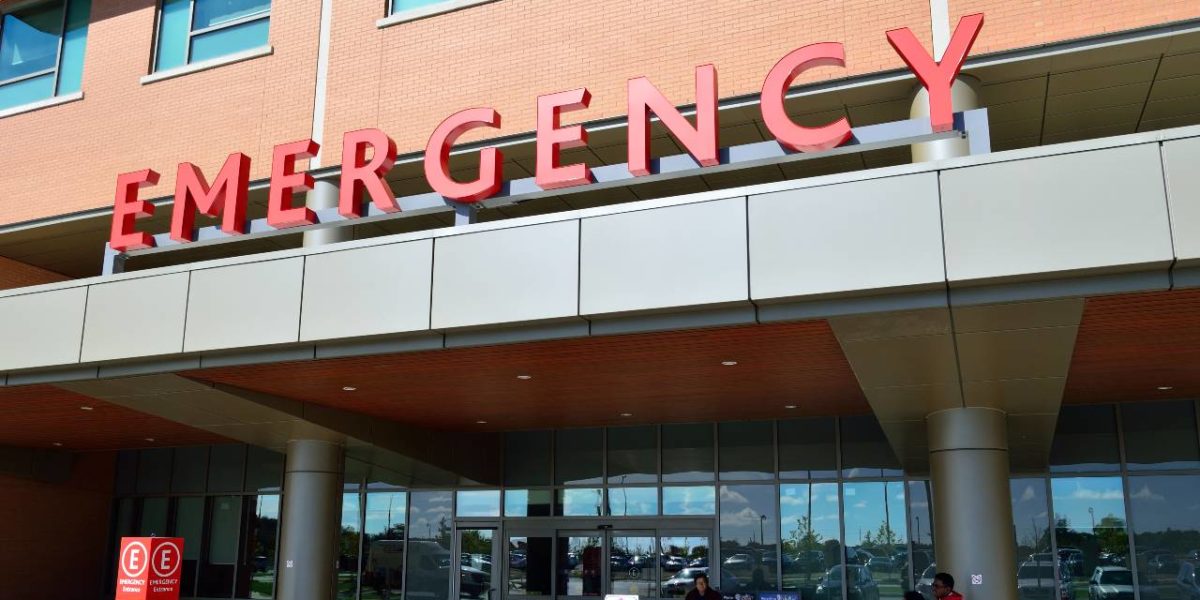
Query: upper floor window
191 31
422 8
41 51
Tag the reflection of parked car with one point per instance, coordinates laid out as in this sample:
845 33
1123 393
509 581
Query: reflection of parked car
925 581
810 560
1161 561
1035 580
1111 583
880 564
1187 582
699 562
516 559
680 583
862 585
1072 559
739 561
672 563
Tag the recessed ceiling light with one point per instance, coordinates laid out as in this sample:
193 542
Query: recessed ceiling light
85 408
149 439
481 422
348 388
626 414
58 443
789 406
524 377
729 363
1163 388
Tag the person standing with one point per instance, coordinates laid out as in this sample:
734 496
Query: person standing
702 591
943 587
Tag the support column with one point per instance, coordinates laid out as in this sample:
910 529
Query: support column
312 505
972 510
325 195
965 96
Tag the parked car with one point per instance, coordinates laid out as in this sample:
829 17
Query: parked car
1187 582
1111 583
681 582
1035 580
1072 559
1162 561
862 585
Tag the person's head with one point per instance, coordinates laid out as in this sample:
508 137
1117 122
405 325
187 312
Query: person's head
701 581
943 584
911 595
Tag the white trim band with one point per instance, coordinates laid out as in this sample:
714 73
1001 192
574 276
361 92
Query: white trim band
208 64
413 14
40 104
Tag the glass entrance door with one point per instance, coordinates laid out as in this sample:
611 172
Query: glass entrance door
590 563
477 552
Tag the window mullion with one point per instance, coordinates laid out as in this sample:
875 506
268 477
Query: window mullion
62 36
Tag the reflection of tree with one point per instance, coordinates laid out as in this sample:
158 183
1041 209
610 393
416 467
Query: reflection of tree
882 541
804 538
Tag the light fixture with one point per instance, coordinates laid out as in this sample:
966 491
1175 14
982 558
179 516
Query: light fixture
149 439
626 414
348 388
481 422
59 444
1163 388
85 408
524 377
789 406
729 363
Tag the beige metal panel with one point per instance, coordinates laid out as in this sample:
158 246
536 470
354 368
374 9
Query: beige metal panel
913 402
1088 212
1017 396
1017 315
41 329
251 304
690 255
903 361
506 276
909 323
135 318
1181 160
866 235
1016 354
367 291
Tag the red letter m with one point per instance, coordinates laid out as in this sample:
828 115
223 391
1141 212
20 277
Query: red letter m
226 198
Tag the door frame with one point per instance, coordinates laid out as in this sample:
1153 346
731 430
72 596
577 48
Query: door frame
498 551
657 526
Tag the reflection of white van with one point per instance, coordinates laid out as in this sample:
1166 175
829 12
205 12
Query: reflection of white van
384 564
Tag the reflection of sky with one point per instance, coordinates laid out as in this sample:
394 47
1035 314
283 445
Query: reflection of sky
350 511
268 506
821 506
871 504
1161 503
700 500
429 512
581 502
479 503
383 511
742 510
633 501
1029 509
1073 496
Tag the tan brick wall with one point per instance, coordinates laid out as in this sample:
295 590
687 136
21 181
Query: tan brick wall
408 77
66 158
1010 24
15 274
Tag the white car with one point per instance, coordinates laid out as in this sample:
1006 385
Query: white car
1111 583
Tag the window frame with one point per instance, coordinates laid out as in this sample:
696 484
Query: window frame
62 35
393 17
193 32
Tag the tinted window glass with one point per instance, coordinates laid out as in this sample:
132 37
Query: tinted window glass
746 450
632 501
218 561
1031 526
264 470
154 471
1085 440
226 467
749 534
189 525
262 529
528 503
687 452
580 502
383 543
690 500
208 13
348 545
29 40
811 535
190 474
579 456
1166 531
429 549
633 454
478 503
865 450
1160 435
920 528
877 532
807 449
127 469
154 517
527 458
1089 517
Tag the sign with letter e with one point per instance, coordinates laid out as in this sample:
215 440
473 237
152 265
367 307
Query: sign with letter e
148 568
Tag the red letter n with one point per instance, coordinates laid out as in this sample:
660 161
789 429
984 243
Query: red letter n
700 141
